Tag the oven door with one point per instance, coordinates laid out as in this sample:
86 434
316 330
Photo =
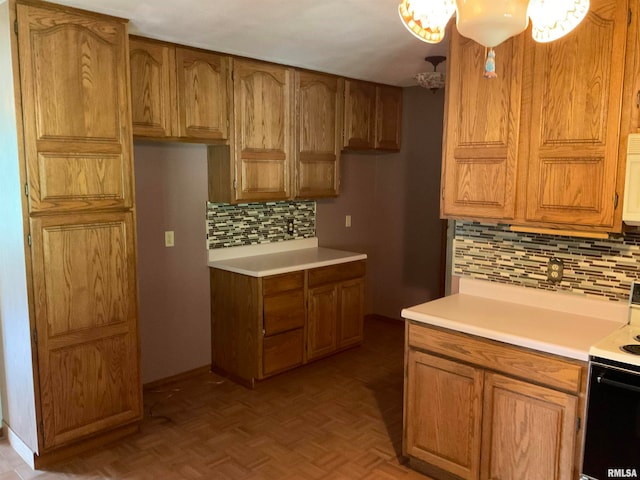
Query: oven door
612 433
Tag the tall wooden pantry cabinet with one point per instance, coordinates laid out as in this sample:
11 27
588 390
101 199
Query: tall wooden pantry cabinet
68 279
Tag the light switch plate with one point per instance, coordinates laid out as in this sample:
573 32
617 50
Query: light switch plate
169 239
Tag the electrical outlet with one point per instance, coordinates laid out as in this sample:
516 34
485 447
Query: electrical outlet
347 221
290 226
555 269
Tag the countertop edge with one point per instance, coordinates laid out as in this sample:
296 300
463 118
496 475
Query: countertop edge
289 268
498 336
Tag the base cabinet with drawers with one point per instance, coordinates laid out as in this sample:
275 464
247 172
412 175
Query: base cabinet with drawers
480 409
261 326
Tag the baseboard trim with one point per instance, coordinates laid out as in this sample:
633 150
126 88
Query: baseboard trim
20 447
63 453
178 377
45 459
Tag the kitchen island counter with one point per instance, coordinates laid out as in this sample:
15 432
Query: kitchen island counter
550 322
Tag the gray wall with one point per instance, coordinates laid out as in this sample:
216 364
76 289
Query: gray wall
171 194
394 203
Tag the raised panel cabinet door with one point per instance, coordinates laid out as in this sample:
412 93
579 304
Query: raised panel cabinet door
203 94
388 117
359 115
350 320
443 407
77 125
319 105
321 321
153 90
528 431
480 146
263 111
574 124
85 289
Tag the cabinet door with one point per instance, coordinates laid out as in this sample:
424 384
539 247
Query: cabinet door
359 115
574 120
77 125
321 321
263 104
481 131
444 406
153 102
203 94
319 105
87 339
527 431
351 301
388 117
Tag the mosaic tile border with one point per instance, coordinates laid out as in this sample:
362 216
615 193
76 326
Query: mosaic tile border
254 223
596 268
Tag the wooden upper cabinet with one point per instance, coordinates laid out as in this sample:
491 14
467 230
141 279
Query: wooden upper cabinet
545 147
359 115
76 110
178 92
203 94
574 121
481 131
263 113
319 106
85 289
372 116
153 90
388 117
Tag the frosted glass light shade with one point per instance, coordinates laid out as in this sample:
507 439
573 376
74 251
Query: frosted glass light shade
491 22
553 19
426 19
431 80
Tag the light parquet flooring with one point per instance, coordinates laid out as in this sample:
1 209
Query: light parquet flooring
338 418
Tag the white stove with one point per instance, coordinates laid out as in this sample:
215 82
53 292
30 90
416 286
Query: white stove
623 345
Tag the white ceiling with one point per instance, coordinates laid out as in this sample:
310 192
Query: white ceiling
355 38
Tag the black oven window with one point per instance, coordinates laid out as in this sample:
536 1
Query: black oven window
612 441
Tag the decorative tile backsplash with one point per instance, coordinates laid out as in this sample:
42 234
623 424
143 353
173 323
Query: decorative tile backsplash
599 268
253 223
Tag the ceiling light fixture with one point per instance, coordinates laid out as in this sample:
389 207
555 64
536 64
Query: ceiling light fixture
491 22
432 80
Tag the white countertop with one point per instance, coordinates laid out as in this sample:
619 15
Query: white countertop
300 256
550 322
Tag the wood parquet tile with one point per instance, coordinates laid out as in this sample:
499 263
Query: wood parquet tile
337 419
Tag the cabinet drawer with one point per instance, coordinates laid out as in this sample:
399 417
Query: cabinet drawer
282 351
282 283
284 312
516 361
336 273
